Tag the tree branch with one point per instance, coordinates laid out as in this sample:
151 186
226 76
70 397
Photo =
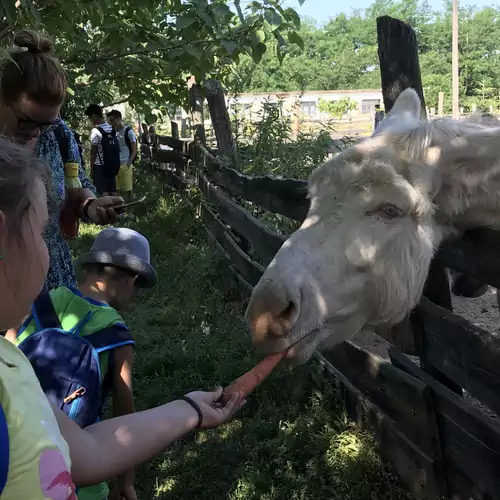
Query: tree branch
99 80
121 101
131 53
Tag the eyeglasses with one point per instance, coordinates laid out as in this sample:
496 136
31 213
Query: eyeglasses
27 124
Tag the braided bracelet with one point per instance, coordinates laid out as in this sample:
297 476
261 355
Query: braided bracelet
188 400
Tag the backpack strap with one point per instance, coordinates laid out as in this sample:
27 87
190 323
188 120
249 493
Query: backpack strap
4 450
63 144
44 314
127 141
110 338
127 138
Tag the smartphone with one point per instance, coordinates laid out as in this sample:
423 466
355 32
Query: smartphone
130 204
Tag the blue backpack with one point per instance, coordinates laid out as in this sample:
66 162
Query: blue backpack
110 159
67 364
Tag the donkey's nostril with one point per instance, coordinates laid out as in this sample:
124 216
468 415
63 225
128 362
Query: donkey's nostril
270 314
287 317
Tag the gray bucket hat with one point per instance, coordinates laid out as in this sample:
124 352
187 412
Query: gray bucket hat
123 248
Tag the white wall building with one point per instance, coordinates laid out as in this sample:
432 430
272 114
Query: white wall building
363 100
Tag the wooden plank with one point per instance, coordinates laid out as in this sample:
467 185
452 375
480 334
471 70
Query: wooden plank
398 58
470 440
265 241
250 270
173 179
171 142
476 254
169 156
245 287
403 398
284 196
221 123
196 108
468 355
437 289
412 464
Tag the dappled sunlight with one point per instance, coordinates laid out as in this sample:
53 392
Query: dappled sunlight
344 448
165 487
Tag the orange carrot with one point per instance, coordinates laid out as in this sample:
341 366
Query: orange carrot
247 383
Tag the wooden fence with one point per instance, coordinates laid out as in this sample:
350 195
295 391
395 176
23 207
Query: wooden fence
441 444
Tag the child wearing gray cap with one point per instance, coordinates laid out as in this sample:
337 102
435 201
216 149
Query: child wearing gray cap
116 266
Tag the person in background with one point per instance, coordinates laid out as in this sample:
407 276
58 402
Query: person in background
103 150
33 87
128 152
379 116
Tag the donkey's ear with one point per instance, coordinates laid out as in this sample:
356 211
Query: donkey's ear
406 109
470 159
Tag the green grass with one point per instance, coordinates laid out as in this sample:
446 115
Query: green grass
291 441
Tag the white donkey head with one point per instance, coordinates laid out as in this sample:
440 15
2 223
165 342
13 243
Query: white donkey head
378 212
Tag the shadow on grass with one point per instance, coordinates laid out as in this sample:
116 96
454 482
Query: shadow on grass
291 441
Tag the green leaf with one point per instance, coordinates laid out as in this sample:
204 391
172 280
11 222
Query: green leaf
184 22
70 91
273 18
258 51
292 16
193 50
229 45
256 37
220 11
294 37
279 38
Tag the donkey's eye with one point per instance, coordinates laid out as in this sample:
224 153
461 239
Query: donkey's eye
389 211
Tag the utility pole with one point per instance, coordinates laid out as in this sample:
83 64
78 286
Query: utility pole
455 110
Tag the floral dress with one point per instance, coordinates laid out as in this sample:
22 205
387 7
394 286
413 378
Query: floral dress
61 270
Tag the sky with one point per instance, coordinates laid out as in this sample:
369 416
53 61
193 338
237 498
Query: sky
322 10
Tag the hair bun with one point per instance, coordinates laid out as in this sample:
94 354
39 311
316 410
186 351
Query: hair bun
33 41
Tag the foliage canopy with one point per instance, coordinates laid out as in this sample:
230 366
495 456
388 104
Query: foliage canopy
142 51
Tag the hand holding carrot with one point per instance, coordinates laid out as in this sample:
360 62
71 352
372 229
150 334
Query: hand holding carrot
215 413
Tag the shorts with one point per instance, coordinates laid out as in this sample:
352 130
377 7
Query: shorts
102 182
125 178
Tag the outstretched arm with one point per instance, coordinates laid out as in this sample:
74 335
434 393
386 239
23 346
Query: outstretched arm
110 447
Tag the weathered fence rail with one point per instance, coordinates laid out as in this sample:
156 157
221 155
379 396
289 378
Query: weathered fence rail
442 444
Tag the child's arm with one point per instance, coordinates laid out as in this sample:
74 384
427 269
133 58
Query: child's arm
108 448
11 335
123 396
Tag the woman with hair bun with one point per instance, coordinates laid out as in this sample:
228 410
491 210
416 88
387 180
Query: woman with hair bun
33 87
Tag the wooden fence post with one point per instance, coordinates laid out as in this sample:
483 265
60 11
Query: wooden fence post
175 129
441 104
399 64
220 119
196 109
